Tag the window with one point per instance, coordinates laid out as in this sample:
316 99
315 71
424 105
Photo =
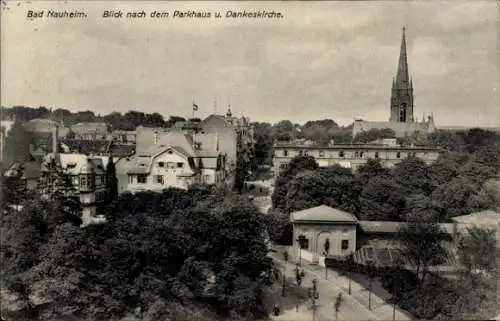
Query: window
130 179
341 154
159 179
98 180
376 154
356 154
99 196
345 244
206 178
361 154
303 242
398 154
171 165
321 153
306 153
300 153
83 181
161 164
285 152
180 165
142 178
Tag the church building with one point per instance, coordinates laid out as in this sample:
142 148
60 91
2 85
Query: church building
402 119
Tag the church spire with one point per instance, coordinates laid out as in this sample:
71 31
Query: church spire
402 77
402 89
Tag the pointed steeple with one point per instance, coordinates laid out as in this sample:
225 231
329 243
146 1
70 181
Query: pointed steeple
402 77
402 89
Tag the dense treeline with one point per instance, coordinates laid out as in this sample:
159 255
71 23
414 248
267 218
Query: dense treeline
127 121
460 182
200 253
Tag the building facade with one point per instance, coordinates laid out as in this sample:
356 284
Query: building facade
86 175
313 227
347 235
90 131
350 156
173 159
402 114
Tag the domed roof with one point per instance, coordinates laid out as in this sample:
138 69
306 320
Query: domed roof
87 168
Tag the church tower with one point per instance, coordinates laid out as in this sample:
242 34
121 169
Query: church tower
402 90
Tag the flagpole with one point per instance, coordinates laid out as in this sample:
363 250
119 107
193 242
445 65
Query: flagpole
192 121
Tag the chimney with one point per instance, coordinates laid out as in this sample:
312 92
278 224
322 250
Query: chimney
55 140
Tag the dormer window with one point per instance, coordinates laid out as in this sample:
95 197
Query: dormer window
285 152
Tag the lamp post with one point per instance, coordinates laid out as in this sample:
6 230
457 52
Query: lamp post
327 249
299 275
285 256
314 295
299 242
395 285
338 302
350 266
371 271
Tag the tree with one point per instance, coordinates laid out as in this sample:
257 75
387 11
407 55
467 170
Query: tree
307 189
421 239
57 191
443 170
263 142
283 131
279 227
372 168
382 200
412 174
111 180
477 250
488 197
476 172
17 145
447 140
63 273
374 134
13 187
296 165
455 197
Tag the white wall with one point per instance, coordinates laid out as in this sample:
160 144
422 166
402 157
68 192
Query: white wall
169 171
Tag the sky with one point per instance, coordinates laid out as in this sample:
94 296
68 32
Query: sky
332 60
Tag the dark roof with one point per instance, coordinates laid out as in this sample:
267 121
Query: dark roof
84 146
122 150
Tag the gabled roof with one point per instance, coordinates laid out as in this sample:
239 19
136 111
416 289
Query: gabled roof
323 213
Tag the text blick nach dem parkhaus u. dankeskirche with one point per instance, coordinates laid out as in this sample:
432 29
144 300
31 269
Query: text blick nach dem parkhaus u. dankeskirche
192 14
